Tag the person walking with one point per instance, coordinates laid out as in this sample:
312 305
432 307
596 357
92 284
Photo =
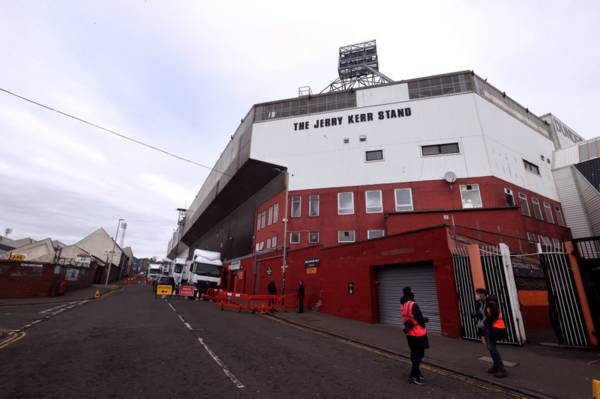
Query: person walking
272 290
491 328
416 333
301 297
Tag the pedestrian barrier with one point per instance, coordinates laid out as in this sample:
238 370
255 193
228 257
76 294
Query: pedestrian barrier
253 303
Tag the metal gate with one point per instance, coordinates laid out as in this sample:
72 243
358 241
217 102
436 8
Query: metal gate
562 296
464 291
587 251
421 278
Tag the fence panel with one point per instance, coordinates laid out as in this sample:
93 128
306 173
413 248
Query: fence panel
464 291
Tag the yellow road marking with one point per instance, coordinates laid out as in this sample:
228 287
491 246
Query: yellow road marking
13 337
403 359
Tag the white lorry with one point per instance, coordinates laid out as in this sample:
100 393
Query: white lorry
181 271
154 271
206 270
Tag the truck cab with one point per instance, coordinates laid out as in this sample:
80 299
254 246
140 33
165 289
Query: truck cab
180 271
206 271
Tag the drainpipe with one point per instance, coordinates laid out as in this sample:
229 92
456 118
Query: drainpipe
285 232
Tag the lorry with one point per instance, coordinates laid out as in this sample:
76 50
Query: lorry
205 271
181 271
154 271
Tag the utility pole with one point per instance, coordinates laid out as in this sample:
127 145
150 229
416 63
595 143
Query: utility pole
113 252
285 232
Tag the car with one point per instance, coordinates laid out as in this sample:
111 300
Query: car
160 284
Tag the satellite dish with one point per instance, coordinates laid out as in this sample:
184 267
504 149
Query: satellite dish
450 177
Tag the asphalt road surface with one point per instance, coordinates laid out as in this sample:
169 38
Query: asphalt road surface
130 345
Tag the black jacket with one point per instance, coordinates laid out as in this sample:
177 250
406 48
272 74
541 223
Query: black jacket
491 303
271 288
301 291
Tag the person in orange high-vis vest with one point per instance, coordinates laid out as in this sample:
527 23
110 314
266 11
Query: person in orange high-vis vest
491 328
416 333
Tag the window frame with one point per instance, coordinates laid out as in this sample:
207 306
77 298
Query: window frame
549 214
412 205
374 230
276 213
263 222
339 211
299 237
270 216
509 192
380 207
367 160
440 151
531 167
346 242
310 205
468 191
292 215
274 242
560 217
535 204
523 196
310 241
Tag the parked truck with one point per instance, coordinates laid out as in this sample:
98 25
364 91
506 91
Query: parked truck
181 271
154 271
206 271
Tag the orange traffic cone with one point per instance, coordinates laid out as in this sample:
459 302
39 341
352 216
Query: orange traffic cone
98 294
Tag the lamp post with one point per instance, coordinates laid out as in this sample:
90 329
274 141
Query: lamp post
113 252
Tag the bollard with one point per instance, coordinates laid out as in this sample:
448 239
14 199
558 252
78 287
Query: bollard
98 294
596 389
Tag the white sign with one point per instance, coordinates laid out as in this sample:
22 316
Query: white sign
235 265
71 274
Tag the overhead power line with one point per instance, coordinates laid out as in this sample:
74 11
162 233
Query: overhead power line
113 132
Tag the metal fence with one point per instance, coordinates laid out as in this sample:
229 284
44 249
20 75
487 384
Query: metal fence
464 291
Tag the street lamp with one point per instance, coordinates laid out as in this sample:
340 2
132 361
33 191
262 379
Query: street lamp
113 252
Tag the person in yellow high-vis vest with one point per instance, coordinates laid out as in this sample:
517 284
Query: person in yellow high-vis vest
491 328
416 333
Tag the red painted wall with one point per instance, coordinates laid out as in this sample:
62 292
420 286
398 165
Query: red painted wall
18 281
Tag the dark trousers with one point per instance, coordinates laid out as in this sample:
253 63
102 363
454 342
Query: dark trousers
490 341
417 353
300 305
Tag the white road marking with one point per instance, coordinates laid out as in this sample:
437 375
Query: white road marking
188 325
35 322
53 308
228 373
181 318
171 306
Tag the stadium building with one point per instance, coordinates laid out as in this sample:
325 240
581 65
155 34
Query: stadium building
362 189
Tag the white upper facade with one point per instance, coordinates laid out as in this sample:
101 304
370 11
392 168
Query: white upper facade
491 141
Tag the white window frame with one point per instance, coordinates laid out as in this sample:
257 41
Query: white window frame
560 217
276 213
310 241
299 207
295 241
509 192
263 221
258 221
557 244
412 208
310 205
549 214
535 203
270 216
523 196
370 231
374 160
349 241
340 212
274 241
462 200
531 237
380 207
269 243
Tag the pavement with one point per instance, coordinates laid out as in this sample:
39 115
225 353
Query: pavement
537 370
130 345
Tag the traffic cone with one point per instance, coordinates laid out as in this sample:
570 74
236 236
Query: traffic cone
98 294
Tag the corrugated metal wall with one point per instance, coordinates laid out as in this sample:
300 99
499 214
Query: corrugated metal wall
572 203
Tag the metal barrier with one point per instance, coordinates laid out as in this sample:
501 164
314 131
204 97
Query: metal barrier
464 291
253 303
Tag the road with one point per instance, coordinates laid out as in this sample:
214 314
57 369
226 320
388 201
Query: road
130 345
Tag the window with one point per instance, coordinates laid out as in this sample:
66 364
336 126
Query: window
274 242
470 196
258 217
346 140
403 198
345 203
362 138
557 244
270 220
275 213
537 210
545 241
313 205
346 236
296 206
524 204
313 237
373 201
374 155
510 197
549 215
376 233
531 237
268 243
440 149
295 237
533 168
559 217
263 219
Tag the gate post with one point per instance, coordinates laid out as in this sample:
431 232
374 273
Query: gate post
511 287
585 307
476 267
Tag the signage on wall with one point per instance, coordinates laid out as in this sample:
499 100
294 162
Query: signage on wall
18 257
312 263
269 271
352 119
311 270
235 265
71 274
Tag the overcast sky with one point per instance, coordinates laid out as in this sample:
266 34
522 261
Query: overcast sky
180 75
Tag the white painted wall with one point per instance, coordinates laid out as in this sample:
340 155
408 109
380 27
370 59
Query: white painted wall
319 158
